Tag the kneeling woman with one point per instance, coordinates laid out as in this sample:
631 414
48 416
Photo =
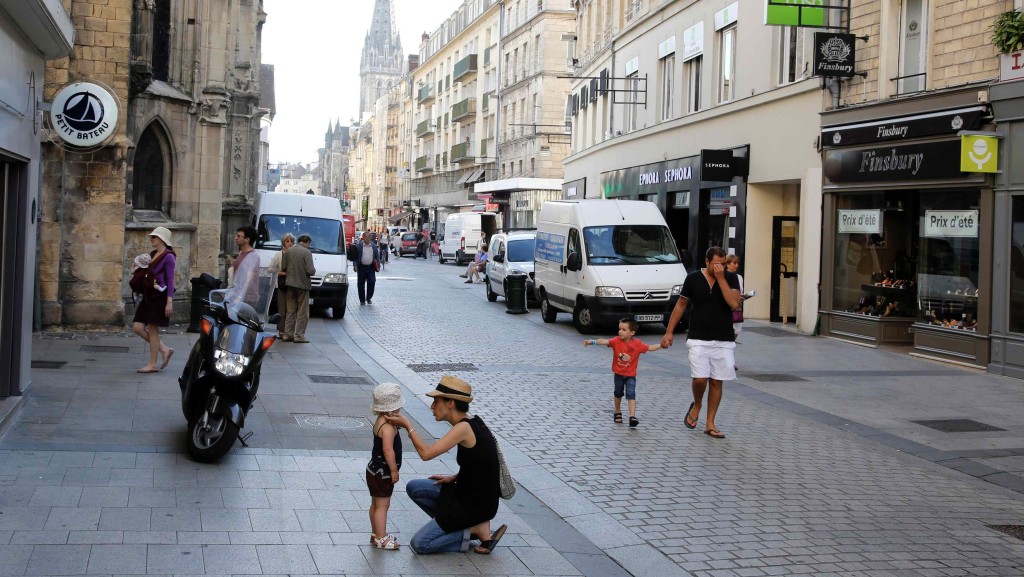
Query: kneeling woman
461 506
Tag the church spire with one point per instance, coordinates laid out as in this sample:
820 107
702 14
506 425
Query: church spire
382 56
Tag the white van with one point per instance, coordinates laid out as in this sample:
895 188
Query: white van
604 260
320 218
462 232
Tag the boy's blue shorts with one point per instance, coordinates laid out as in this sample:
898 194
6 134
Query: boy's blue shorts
627 383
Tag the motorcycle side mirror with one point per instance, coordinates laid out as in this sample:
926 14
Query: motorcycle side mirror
274 319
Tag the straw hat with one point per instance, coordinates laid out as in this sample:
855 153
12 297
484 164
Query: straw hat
387 397
163 234
453 388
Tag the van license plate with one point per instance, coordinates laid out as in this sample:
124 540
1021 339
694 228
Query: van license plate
649 318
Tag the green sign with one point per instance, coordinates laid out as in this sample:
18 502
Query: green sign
794 13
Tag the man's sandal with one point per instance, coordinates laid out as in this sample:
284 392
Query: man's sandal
617 417
686 420
485 547
714 434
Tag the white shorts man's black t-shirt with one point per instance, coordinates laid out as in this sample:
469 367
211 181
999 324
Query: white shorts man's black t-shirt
710 315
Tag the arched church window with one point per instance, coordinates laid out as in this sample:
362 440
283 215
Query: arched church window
152 170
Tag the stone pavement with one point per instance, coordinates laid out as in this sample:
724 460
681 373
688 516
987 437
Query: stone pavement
823 471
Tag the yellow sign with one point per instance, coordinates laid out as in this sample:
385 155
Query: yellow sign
979 153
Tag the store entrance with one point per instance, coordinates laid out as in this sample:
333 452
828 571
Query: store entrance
12 185
678 220
785 267
713 227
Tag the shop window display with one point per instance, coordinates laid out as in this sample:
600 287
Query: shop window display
949 259
1017 267
875 264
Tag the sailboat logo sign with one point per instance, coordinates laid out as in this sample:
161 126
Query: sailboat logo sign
84 114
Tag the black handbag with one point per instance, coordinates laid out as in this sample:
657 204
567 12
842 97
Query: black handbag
280 283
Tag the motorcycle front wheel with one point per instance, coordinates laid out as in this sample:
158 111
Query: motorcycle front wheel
210 437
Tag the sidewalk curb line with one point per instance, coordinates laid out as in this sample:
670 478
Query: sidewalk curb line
10 410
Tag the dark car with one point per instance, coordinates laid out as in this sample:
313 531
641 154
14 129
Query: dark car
413 244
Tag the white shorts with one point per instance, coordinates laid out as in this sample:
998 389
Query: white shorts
712 359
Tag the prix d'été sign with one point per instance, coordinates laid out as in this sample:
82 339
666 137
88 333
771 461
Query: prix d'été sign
859 221
84 114
950 223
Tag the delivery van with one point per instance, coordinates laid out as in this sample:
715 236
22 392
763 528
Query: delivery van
462 232
320 217
604 260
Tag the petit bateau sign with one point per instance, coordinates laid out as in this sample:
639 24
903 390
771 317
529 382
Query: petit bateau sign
84 114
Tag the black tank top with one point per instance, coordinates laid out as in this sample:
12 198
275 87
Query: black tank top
378 464
474 495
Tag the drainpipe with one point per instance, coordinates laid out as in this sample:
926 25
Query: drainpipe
835 88
497 88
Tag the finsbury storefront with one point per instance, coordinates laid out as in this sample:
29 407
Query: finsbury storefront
907 234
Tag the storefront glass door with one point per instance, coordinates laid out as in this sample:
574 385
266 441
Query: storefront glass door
785 237
713 229
1017 266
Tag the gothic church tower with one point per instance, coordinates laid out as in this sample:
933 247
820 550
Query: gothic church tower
381 65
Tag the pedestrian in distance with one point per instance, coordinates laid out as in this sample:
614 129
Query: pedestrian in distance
298 272
713 293
287 241
460 506
157 299
385 462
732 264
475 268
385 246
367 263
245 286
626 351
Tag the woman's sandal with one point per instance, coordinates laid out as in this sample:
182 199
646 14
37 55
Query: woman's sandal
387 542
485 547
617 417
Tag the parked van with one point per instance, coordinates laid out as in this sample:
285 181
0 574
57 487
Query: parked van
462 232
603 260
320 217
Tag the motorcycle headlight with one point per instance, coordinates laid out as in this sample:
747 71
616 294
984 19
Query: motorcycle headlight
229 364
677 290
609 291
336 278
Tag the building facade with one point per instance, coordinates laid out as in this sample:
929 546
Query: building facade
334 161
916 248
30 34
455 123
187 74
382 59
702 109
360 174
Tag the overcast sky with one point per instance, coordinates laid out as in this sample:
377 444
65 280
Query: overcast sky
315 46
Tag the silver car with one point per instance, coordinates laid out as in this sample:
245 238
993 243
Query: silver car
509 252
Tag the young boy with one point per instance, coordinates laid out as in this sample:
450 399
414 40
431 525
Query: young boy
385 461
627 351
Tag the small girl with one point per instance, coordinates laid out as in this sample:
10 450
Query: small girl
385 461
141 261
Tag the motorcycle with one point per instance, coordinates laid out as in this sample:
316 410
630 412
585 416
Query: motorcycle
222 375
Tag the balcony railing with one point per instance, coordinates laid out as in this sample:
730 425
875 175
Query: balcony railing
424 129
463 109
423 164
463 151
425 94
465 69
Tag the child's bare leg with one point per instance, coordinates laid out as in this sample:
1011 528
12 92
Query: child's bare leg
618 404
379 516
631 403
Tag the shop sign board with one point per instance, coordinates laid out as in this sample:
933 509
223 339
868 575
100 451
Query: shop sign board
859 221
550 247
950 223
979 153
948 122
575 188
834 54
716 165
809 13
727 15
693 41
1011 66
665 176
84 114
926 161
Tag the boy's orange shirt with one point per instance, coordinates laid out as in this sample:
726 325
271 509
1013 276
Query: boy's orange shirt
634 348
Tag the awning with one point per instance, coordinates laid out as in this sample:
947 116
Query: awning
477 176
398 217
464 178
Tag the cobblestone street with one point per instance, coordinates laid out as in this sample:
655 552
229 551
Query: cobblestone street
822 471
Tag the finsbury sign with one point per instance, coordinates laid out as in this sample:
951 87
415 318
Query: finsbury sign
84 114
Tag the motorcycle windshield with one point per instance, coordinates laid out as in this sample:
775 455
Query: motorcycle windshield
237 339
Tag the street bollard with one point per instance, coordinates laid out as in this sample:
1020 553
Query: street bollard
515 293
200 292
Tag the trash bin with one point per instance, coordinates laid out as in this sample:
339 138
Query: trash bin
201 287
515 293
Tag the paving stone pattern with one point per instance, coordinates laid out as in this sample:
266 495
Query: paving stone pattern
780 495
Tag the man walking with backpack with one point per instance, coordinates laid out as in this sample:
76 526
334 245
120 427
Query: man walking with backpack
297 265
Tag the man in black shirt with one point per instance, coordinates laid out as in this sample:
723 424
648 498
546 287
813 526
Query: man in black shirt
714 293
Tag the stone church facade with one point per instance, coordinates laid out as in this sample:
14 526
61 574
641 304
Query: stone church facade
186 154
334 161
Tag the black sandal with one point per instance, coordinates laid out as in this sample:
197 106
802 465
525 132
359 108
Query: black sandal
617 417
486 547
633 421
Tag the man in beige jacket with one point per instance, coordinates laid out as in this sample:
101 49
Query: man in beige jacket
297 265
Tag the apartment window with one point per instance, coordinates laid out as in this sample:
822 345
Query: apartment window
727 64
533 166
668 80
792 64
693 85
913 46
632 108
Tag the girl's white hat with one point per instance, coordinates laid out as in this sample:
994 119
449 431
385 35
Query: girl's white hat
387 397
